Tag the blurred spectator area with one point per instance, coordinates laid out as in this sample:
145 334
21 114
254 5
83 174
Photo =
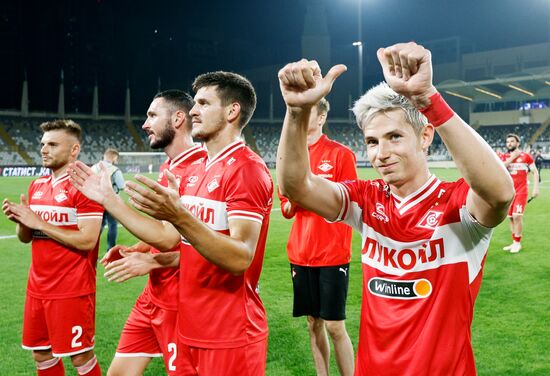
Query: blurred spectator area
98 135
263 136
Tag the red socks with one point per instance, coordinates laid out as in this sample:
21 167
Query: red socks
90 368
50 367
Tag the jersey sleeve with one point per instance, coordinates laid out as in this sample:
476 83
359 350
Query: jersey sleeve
477 237
353 195
30 191
347 169
249 193
529 159
86 208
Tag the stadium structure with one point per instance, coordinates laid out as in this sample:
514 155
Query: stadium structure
497 92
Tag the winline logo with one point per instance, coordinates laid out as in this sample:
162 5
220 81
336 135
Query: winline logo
387 288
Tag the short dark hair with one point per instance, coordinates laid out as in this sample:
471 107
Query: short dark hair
66 125
177 98
231 87
514 136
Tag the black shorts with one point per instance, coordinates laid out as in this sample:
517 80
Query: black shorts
320 291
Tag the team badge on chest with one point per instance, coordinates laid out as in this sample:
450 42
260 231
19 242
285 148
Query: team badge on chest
212 185
430 220
60 197
325 167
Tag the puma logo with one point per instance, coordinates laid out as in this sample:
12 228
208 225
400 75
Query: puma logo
343 270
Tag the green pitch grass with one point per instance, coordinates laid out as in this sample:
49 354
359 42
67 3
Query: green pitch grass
510 333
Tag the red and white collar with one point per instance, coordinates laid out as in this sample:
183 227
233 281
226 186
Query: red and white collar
59 179
404 204
184 155
225 152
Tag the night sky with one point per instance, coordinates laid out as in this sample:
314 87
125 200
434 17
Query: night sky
147 43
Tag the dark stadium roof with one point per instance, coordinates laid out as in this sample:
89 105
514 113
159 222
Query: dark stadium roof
149 45
523 86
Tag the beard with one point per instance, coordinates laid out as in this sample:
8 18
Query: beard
511 148
55 163
164 137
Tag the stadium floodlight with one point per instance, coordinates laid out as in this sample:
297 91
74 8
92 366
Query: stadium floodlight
459 95
359 46
488 92
521 90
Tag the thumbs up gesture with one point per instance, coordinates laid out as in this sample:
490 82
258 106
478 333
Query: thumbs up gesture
303 85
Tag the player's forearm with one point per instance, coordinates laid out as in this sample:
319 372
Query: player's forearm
292 155
535 179
477 163
296 181
166 260
147 229
76 239
24 234
221 250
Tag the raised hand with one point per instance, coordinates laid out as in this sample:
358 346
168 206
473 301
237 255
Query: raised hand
21 213
113 254
302 84
131 264
96 187
6 208
407 69
159 202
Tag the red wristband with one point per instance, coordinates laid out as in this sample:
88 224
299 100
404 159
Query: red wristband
438 112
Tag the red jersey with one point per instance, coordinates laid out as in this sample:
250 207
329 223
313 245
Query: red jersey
163 284
313 241
519 169
218 309
422 260
56 271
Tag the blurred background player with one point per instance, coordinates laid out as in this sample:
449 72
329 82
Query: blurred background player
424 240
319 253
519 164
63 225
110 159
150 330
223 216
539 162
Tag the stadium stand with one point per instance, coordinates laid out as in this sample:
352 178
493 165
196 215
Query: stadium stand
267 139
23 138
495 135
98 135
